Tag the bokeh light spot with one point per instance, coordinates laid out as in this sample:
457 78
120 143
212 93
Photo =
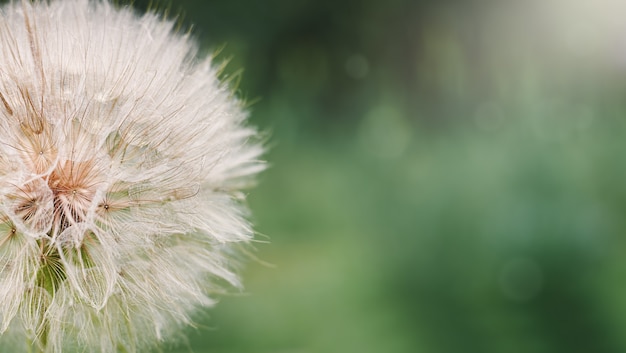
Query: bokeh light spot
384 132
357 66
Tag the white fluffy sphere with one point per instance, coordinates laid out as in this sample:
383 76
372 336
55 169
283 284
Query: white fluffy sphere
122 160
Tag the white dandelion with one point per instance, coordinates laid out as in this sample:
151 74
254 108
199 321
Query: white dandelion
122 160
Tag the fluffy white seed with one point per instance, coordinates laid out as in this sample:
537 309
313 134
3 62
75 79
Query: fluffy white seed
122 157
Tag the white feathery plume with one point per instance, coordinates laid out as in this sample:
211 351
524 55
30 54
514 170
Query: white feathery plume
122 159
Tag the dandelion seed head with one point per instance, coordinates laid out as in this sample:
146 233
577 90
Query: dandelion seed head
122 160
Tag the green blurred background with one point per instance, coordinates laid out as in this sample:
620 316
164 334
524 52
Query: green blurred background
446 176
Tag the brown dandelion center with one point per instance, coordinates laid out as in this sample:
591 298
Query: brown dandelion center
73 186
59 200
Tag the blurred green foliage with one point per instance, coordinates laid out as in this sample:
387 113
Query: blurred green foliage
446 176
